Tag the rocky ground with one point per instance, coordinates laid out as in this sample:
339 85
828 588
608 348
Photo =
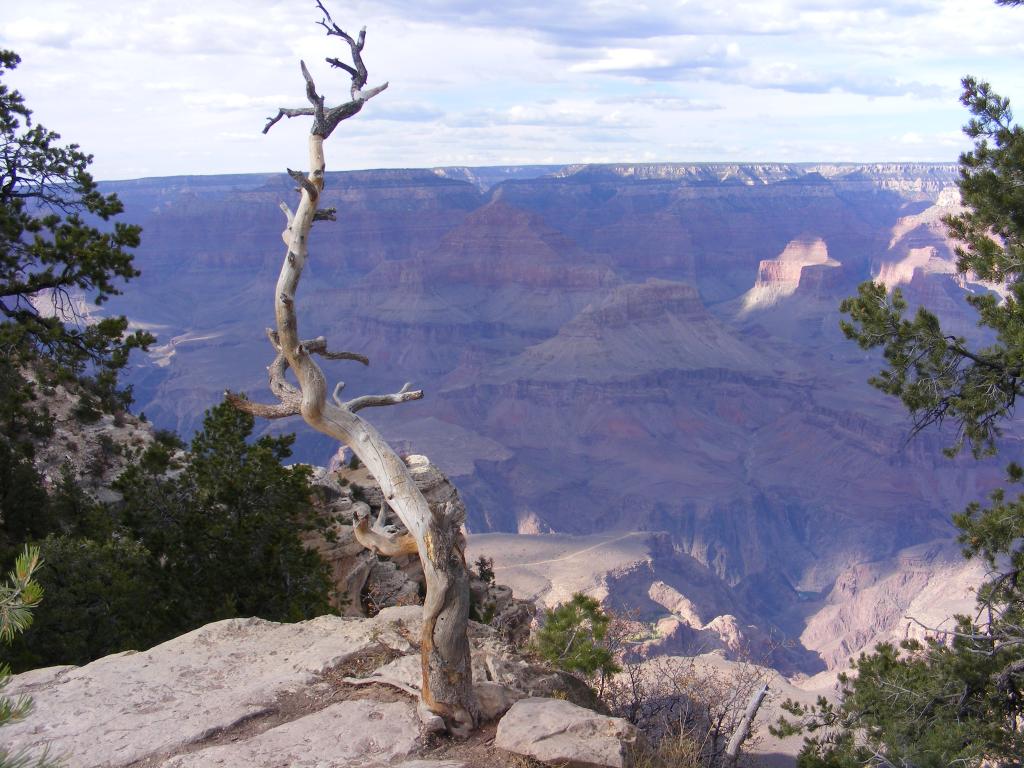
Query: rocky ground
95 450
328 692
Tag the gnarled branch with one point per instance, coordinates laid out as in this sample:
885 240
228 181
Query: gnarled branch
285 112
304 184
262 410
326 120
358 72
403 395
318 346
381 542
437 538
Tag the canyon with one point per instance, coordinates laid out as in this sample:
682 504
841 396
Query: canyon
642 353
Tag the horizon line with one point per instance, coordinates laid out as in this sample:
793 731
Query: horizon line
435 168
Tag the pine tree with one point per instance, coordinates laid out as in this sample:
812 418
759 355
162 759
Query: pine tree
18 597
224 530
958 703
572 637
50 257
58 248
939 377
208 536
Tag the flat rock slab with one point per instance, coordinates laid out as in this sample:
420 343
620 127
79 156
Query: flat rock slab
130 706
351 734
560 733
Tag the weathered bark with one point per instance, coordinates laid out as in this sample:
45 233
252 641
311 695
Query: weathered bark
435 534
732 752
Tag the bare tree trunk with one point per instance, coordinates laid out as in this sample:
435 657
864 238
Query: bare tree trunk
732 752
435 534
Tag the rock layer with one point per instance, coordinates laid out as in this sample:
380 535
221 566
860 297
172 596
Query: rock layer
580 336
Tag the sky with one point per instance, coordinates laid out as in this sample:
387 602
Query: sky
159 88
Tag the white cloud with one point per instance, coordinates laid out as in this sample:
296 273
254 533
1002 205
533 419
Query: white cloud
212 100
156 87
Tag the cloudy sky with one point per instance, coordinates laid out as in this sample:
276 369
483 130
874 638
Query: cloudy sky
162 87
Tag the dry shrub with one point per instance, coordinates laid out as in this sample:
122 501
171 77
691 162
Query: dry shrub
687 711
677 752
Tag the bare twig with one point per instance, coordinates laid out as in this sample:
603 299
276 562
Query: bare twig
305 184
403 395
318 346
285 112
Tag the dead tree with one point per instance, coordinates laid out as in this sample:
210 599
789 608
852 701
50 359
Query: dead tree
436 535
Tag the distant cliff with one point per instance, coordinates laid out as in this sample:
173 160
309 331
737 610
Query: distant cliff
603 347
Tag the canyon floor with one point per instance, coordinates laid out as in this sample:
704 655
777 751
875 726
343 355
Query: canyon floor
688 609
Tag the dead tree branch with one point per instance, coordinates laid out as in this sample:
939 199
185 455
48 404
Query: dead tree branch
435 534
382 542
262 410
732 751
403 395
325 120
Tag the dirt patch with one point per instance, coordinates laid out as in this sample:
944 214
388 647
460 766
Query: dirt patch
362 664
478 751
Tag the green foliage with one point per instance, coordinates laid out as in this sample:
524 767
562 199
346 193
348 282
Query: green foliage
572 637
58 247
937 376
485 569
102 598
928 706
225 529
18 597
958 704
212 536
48 252
483 611
24 509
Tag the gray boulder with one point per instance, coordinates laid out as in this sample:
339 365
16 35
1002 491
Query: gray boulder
560 733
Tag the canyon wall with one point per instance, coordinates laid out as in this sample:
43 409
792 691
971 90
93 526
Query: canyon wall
604 348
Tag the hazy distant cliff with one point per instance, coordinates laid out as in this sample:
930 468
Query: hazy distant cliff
588 341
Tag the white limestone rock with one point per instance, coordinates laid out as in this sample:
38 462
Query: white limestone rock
131 706
494 699
350 734
559 733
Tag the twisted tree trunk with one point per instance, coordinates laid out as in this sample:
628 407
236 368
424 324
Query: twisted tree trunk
436 535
